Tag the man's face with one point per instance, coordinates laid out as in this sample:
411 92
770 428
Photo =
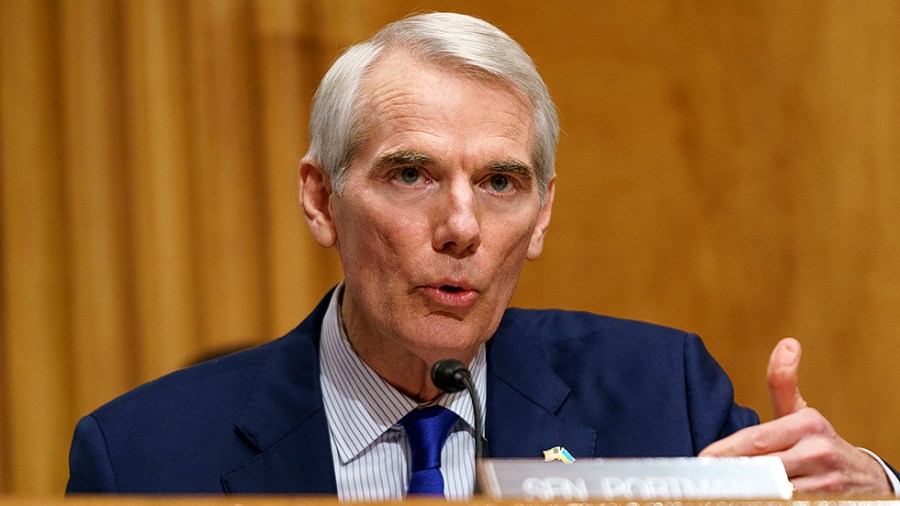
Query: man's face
439 212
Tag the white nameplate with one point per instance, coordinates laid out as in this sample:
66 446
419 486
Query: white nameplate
662 478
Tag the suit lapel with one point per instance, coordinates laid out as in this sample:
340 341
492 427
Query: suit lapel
524 397
283 423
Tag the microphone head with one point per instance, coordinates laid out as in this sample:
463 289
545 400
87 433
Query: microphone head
449 375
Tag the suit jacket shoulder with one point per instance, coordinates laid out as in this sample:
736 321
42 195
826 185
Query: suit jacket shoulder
233 424
604 387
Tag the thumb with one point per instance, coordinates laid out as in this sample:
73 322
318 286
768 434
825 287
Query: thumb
784 366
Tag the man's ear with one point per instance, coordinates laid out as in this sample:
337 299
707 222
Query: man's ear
543 222
315 197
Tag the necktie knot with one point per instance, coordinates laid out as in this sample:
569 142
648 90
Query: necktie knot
427 430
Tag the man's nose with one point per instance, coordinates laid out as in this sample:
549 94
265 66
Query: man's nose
457 231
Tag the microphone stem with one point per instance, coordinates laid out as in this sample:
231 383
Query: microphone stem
476 407
479 430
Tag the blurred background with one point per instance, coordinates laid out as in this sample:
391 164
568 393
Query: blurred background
731 168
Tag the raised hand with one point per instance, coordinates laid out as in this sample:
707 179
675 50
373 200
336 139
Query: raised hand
816 458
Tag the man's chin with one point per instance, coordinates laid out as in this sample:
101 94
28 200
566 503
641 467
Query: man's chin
448 338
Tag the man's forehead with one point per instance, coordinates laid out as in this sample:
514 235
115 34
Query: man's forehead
411 108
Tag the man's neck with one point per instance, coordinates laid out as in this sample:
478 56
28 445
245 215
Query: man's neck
410 374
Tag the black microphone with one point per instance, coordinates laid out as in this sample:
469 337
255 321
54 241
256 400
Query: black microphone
451 375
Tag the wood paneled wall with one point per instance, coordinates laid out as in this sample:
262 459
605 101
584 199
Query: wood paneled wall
732 168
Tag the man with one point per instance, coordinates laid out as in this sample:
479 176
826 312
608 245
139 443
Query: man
431 170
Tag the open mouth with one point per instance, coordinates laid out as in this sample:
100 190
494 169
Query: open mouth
458 296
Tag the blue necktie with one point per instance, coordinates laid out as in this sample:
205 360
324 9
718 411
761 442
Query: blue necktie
427 430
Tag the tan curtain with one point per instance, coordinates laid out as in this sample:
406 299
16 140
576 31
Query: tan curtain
149 201
732 168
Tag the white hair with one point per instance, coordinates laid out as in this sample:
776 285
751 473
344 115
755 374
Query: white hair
453 41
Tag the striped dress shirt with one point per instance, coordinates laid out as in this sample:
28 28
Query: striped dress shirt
368 445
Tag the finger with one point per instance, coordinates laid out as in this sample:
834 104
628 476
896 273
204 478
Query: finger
784 367
776 436
812 456
814 484
830 464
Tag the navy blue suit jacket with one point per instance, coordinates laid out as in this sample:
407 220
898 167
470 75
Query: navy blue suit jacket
253 422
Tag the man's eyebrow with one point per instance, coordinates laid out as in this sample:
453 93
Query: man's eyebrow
415 158
401 158
516 167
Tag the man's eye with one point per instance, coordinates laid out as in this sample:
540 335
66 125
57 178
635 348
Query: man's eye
410 175
500 183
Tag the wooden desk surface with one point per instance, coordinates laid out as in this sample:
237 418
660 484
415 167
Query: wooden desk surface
330 501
